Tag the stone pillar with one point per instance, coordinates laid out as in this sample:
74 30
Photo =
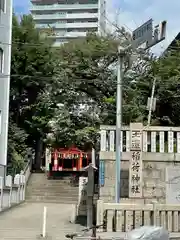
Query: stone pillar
135 166
47 160
82 198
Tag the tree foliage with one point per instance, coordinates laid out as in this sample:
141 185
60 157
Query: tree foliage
32 68
60 96
167 72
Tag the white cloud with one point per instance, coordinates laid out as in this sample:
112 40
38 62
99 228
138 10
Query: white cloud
132 13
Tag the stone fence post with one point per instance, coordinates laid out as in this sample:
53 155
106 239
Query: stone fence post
100 213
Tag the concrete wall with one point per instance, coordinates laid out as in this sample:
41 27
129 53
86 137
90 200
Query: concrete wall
12 191
5 45
154 176
11 196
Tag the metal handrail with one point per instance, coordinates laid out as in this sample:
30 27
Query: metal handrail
29 162
27 166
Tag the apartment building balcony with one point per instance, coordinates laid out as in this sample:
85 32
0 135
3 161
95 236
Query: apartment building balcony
60 7
59 43
58 16
66 25
73 34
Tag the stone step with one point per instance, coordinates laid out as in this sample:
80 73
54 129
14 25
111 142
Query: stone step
45 193
68 193
51 191
44 177
40 189
49 181
52 187
65 197
58 201
52 197
52 194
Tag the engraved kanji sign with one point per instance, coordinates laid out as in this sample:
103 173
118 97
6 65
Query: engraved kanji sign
82 200
135 140
135 171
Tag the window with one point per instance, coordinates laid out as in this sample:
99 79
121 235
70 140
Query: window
2 5
1 60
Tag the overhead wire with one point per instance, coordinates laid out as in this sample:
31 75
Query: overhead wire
28 44
40 44
163 83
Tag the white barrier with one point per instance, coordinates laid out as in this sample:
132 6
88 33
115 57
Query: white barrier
12 191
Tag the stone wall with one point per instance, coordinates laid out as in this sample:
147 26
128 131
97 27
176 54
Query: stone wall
108 191
154 180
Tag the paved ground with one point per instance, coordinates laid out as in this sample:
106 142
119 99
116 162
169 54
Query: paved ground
25 222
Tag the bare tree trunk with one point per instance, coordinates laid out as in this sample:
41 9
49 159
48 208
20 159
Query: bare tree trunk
38 153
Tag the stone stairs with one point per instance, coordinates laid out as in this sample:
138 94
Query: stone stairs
40 189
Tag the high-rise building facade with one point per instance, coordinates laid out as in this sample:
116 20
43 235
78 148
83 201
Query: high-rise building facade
69 19
5 65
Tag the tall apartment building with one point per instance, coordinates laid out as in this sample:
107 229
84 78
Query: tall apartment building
69 19
5 64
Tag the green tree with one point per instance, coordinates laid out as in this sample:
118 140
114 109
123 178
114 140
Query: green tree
83 80
167 91
61 96
86 89
167 72
32 70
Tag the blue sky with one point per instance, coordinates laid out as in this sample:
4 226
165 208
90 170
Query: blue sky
21 6
132 13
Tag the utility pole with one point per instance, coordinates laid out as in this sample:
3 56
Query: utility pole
151 101
142 35
121 53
